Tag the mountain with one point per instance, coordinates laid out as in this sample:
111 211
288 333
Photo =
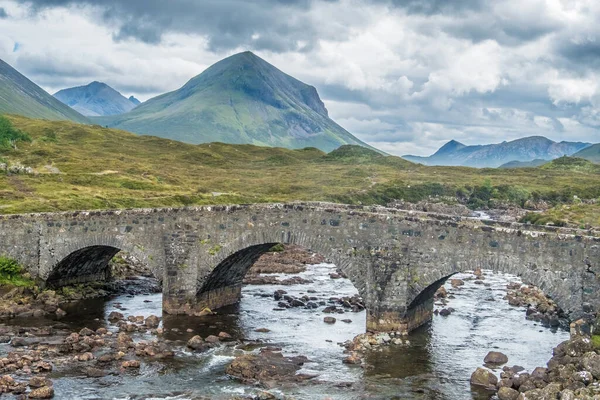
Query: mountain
526 149
524 164
19 95
96 99
591 153
134 100
241 99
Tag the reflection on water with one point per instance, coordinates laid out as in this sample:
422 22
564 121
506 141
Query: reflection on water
437 364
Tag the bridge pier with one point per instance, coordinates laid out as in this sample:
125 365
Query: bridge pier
403 320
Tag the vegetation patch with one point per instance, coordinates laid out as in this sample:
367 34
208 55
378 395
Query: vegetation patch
214 250
9 135
11 273
278 248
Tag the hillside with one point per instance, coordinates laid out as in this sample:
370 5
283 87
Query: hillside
526 149
243 100
78 166
572 164
96 99
19 95
591 153
524 164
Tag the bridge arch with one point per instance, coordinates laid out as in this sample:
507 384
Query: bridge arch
87 258
564 288
221 284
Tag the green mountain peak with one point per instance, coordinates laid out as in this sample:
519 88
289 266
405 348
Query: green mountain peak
240 99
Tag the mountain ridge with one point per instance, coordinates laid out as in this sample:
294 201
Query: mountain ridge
240 99
20 96
495 155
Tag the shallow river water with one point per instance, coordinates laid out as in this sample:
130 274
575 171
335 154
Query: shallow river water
436 365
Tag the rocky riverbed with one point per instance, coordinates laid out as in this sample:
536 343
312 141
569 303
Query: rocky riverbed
312 333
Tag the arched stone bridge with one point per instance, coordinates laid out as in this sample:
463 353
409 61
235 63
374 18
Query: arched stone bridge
396 259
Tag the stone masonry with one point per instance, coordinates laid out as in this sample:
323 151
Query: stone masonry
395 259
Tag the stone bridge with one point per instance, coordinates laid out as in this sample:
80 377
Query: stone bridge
395 259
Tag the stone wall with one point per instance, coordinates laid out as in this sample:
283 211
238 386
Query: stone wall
396 259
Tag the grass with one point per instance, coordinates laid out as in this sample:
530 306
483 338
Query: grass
11 274
104 168
583 216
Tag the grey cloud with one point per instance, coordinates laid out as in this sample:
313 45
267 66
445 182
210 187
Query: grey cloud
486 27
227 24
431 7
582 53
144 32
3 13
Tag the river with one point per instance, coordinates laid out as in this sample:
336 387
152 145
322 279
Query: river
436 365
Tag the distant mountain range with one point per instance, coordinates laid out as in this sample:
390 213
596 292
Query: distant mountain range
526 149
96 99
19 95
241 99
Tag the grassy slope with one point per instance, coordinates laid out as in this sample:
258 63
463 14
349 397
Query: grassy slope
107 168
591 153
18 95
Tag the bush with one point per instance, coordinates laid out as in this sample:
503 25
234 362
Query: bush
9 135
9 267
278 248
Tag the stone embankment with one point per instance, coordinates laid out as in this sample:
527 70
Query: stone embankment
572 373
540 308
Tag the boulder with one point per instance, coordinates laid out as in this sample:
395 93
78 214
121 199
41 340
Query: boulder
224 336
152 322
484 378
212 339
130 364
267 366
329 320
46 392
456 282
352 359
495 357
86 332
115 316
39 381
85 357
506 393
591 363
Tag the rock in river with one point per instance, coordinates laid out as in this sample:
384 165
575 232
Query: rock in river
267 366
495 357
484 378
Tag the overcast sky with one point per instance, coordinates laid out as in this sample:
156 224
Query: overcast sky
403 75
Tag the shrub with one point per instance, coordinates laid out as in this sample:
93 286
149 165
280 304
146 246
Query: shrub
9 135
9 267
278 248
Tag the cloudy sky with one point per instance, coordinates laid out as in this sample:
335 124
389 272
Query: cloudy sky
403 75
